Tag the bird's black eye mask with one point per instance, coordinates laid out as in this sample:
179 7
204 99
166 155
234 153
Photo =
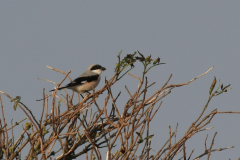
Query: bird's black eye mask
96 67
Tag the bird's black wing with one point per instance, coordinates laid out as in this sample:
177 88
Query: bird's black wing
82 80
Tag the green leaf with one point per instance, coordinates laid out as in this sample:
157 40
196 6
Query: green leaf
213 85
140 140
15 106
139 134
28 125
149 136
59 103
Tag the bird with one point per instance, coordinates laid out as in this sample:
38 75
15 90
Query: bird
86 81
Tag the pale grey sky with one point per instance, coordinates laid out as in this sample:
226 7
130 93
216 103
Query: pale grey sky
190 36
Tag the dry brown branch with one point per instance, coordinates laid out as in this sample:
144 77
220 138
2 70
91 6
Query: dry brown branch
6 133
60 72
210 149
29 117
48 81
17 123
88 126
213 150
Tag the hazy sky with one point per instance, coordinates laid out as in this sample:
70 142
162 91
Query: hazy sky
189 36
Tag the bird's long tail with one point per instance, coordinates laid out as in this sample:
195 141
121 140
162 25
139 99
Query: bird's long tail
57 89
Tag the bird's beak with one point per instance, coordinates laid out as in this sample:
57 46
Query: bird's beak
103 68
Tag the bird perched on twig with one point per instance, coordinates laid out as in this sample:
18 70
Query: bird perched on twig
89 79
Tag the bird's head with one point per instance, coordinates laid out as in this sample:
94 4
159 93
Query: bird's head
96 68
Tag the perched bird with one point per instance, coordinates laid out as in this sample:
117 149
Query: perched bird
89 79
